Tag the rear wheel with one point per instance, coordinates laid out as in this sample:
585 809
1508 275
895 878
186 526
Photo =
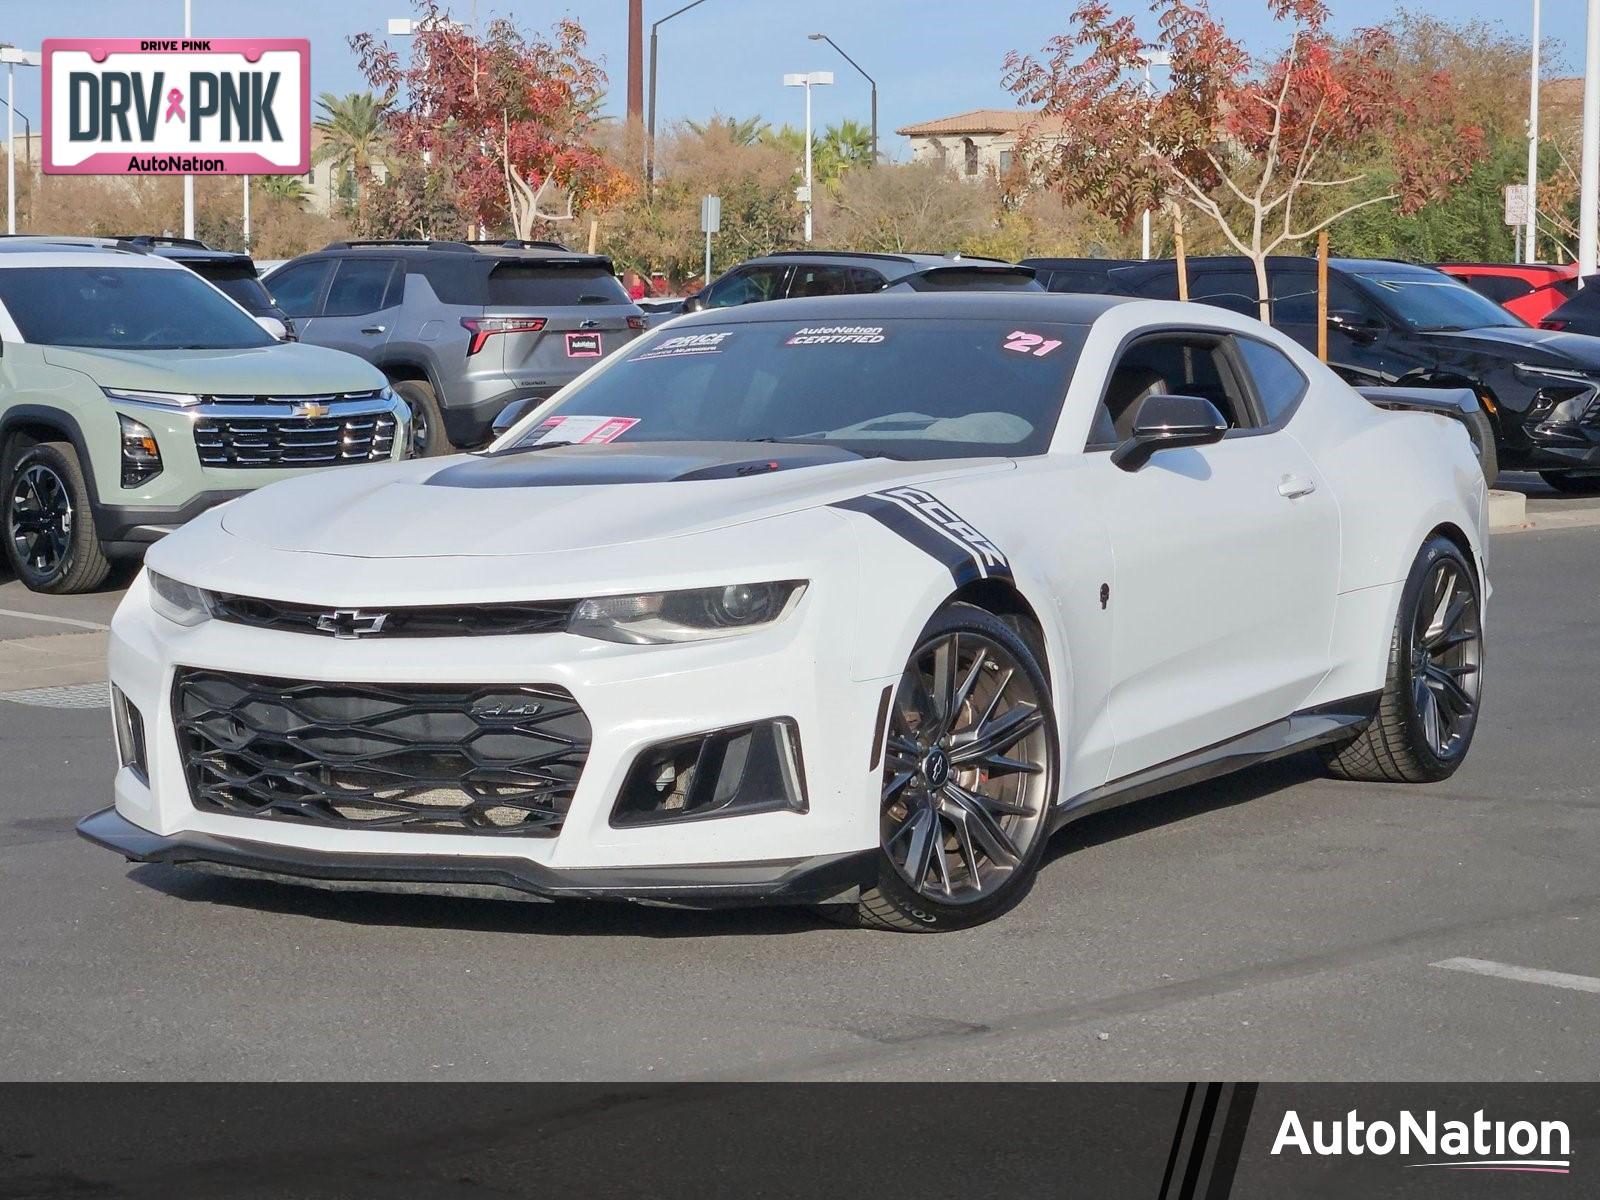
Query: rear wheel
1488 455
1429 708
1574 483
428 436
50 536
970 770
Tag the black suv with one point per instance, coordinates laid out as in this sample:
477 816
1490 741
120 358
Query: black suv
1397 324
463 330
230 270
791 273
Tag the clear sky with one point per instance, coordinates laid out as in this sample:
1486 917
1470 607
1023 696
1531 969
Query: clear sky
931 57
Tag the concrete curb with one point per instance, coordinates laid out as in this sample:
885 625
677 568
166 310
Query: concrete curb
1507 510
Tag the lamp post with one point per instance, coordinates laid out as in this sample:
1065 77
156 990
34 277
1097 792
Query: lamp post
822 37
1152 58
650 134
11 56
1530 240
808 81
188 180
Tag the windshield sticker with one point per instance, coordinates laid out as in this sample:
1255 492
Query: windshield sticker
1030 343
837 335
580 430
583 345
686 345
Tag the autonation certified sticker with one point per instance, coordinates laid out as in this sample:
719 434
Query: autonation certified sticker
837 335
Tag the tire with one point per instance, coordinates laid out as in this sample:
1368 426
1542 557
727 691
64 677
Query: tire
1573 483
991 824
50 536
1488 454
428 436
1403 743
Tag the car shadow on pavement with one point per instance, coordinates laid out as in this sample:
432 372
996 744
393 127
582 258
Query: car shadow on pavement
570 918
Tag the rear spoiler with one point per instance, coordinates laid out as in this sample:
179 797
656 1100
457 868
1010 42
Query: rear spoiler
1460 404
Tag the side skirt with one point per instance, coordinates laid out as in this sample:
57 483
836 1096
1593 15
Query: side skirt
1304 730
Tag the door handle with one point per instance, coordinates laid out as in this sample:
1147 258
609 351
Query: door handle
1293 487
374 329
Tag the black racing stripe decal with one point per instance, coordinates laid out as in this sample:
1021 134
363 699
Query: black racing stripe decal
929 524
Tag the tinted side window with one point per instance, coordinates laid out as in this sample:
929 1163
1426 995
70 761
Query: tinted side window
1294 298
862 280
1279 384
821 281
358 287
1171 366
1233 290
296 288
1585 304
1498 288
747 286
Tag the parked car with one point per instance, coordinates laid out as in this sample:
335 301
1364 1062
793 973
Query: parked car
460 329
1393 323
791 274
136 395
1580 314
1531 290
848 601
232 272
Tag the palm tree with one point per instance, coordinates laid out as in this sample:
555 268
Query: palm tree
847 144
286 187
742 133
352 138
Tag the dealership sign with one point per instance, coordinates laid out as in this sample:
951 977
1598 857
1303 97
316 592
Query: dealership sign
196 106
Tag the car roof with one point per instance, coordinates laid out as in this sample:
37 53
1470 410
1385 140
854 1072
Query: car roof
511 250
911 260
1065 308
38 250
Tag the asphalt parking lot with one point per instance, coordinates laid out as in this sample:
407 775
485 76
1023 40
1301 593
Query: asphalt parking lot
1275 925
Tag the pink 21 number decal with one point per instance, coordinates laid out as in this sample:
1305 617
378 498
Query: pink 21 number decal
1030 343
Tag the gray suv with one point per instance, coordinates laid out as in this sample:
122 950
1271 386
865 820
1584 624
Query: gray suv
461 329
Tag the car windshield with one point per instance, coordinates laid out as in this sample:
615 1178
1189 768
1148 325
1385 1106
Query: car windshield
124 308
1436 303
919 388
239 283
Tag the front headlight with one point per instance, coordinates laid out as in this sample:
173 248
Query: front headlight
695 615
178 602
159 399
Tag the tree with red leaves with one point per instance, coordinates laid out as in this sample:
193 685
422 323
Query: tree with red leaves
1269 153
508 118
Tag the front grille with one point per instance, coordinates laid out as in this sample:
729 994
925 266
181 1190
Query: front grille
431 758
245 441
461 620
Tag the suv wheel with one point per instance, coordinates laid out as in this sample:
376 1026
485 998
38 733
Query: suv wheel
428 438
50 534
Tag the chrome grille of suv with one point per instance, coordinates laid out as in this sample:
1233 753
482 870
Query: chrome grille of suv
293 431
495 760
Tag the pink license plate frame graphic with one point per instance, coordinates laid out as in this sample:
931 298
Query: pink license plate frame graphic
233 162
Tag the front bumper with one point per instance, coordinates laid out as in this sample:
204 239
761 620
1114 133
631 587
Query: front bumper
816 880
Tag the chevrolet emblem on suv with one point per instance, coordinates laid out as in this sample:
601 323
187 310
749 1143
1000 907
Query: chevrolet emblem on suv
351 622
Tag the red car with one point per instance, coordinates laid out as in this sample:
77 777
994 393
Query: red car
1530 290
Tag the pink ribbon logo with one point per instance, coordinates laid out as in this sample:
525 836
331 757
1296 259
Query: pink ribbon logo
174 106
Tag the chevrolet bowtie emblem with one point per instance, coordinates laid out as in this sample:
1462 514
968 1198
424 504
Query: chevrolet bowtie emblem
351 622
311 409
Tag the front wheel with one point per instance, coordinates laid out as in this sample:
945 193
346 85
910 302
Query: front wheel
970 771
1429 707
50 535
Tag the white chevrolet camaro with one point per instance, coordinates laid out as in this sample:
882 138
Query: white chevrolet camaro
847 601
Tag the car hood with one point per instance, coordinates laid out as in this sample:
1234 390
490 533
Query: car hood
561 499
281 369
1522 344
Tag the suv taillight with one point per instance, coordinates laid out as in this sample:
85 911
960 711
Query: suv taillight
1547 323
483 328
637 322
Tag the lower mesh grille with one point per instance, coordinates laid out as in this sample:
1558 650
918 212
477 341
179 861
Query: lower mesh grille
497 760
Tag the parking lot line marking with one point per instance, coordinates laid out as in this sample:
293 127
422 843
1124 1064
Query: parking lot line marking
28 616
1482 966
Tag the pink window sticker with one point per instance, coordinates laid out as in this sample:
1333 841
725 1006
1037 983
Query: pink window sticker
1035 344
548 430
609 430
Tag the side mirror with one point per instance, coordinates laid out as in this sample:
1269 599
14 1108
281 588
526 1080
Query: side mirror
278 330
696 302
514 412
1169 423
1356 326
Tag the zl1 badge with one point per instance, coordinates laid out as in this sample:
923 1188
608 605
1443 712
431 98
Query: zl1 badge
583 345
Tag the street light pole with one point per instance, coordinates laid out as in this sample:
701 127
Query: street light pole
1154 58
809 81
1589 186
188 180
1530 240
650 134
11 56
822 37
